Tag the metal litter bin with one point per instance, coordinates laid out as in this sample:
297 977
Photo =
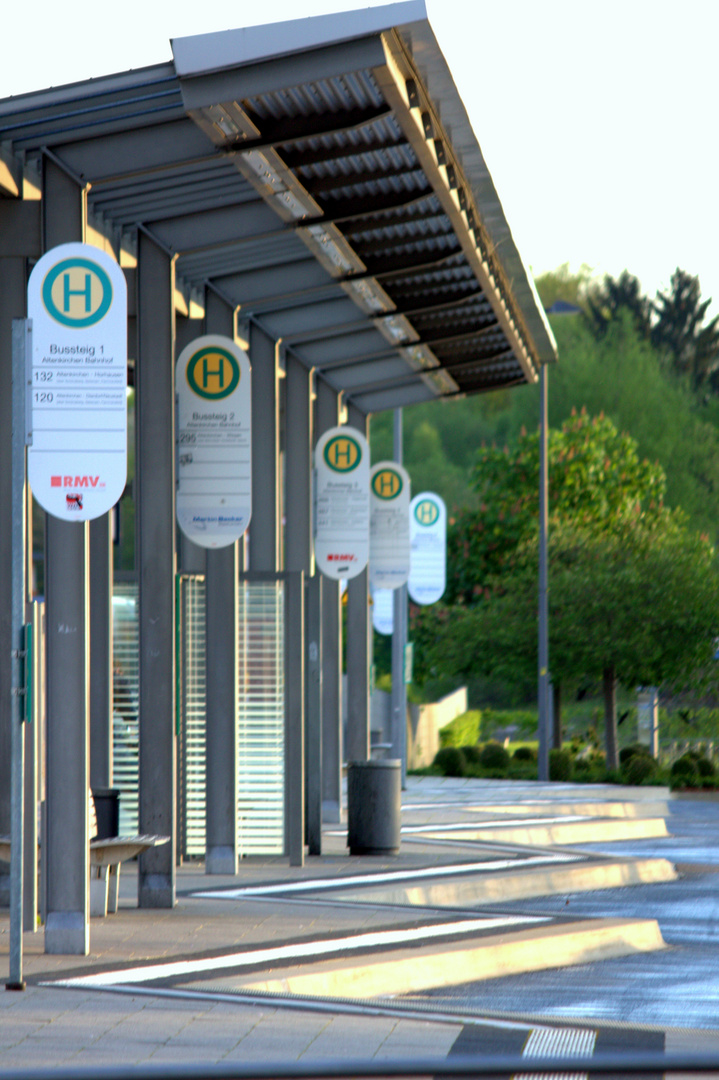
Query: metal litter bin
107 811
373 806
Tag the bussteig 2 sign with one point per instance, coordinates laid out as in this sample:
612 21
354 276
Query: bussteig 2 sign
214 441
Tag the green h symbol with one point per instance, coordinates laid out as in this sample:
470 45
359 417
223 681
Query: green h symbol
67 292
207 374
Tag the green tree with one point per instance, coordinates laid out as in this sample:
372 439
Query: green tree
623 294
635 602
595 476
680 333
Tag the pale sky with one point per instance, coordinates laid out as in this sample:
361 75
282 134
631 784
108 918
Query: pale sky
598 121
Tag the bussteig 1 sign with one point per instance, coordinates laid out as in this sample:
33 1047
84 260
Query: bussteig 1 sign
389 525
77 303
428 541
214 441
342 503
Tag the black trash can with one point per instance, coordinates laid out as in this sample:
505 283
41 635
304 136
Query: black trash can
374 794
107 811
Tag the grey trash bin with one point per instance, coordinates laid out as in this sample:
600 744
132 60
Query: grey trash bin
373 806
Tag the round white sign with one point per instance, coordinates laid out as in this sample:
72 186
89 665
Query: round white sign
342 503
389 525
77 301
428 540
383 611
214 440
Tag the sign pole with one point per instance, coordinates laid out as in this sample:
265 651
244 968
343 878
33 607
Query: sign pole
399 641
21 329
543 650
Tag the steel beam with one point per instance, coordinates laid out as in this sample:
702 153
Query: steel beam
266 497
359 638
155 480
12 305
326 417
221 650
67 926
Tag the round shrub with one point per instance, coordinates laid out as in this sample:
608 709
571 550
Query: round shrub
684 773
637 768
560 765
493 756
525 753
634 750
451 761
472 755
704 766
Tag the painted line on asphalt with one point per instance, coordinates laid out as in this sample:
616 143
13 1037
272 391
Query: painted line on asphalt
300 950
320 884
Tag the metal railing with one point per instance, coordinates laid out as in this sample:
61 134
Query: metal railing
617 1065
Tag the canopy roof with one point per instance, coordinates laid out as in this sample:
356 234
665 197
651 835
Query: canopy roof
321 175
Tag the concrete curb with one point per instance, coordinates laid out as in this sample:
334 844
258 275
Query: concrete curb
450 965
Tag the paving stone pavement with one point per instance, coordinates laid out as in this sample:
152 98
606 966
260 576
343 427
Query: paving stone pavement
50 1027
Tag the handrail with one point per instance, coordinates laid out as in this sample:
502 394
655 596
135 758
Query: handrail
637 1063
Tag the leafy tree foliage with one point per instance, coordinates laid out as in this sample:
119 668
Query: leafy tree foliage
595 476
634 593
680 334
613 296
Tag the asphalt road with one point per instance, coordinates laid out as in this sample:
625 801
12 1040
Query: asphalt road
677 987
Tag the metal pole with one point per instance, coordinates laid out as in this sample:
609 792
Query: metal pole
543 680
20 344
399 641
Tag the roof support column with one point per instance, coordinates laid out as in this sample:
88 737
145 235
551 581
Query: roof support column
299 556
155 456
12 306
266 516
221 666
359 631
326 417
67 927
101 568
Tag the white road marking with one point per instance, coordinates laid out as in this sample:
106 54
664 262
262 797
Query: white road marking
551 1042
389 876
301 950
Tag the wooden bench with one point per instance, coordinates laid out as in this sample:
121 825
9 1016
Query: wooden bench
106 857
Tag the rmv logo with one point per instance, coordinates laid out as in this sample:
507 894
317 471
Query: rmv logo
386 484
77 293
342 453
426 512
213 373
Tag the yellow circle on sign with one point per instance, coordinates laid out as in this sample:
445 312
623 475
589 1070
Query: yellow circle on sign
386 484
213 373
426 512
342 453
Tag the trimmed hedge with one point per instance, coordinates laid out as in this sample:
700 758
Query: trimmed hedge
462 731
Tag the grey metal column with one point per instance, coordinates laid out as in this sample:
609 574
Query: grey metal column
295 703
67 927
266 516
221 853
326 417
101 652
543 650
12 305
398 725
359 630
155 483
298 556
221 710
313 712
